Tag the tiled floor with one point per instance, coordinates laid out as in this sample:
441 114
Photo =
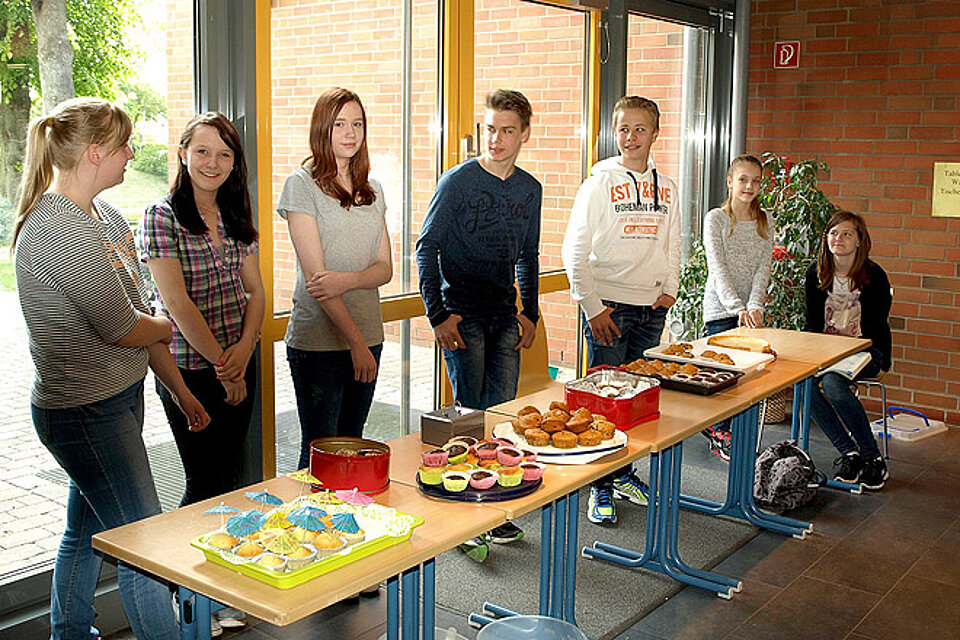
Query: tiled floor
883 566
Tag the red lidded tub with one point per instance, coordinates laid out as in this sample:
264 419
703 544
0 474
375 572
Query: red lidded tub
345 463
625 412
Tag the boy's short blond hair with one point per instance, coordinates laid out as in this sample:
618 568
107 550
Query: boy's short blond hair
636 102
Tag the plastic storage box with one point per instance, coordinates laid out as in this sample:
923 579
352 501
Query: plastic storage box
623 412
907 425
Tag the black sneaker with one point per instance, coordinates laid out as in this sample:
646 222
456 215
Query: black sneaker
505 534
848 467
874 474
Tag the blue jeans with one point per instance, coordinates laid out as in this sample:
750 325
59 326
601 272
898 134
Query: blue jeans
840 414
714 327
211 456
329 401
640 329
485 371
100 446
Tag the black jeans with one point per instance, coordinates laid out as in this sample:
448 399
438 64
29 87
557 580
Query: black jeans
211 456
329 401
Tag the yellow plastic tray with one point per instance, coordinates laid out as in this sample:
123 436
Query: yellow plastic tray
297 577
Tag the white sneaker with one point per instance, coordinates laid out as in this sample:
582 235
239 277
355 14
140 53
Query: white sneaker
215 628
230 618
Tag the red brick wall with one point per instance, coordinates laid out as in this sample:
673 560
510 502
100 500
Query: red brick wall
876 97
180 94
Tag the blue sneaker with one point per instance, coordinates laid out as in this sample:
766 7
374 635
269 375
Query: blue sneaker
632 488
600 507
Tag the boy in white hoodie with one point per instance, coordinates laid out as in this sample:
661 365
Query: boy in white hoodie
621 252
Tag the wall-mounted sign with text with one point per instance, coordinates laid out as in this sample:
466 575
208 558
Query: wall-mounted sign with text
946 189
786 55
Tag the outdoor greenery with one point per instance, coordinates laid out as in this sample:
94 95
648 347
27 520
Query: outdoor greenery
800 210
150 158
8 281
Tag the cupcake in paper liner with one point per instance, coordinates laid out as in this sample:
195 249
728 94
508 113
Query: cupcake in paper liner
247 549
347 528
300 557
283 544
327 543
221 540
303 535
510 476
272 562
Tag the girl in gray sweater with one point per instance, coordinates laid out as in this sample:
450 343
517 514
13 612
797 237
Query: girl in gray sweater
738 242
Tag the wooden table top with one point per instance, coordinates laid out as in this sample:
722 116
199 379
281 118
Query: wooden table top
558 480
161 546
817 348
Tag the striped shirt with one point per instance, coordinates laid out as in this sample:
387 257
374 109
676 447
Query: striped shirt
80 288
211 277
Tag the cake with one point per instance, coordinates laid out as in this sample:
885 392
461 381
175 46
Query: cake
510 476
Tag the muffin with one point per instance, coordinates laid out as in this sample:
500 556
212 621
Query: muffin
529 456
607 429
558 414
483 479
490 465
248 549
528 410
578 423
487 450
328 542
559 405
509 456
463 466
347 528
530 420
300 557
532 470
283 544
510 476
564 440
589 438
517 427
553 425
221 540
432 475
537 437
435 458
470 441
272 562
455 481
456 452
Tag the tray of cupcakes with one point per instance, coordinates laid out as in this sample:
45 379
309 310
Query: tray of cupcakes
687 376
330 533
472 470
561 436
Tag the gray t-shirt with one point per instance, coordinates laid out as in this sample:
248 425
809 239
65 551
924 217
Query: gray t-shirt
738 266
80 288
351 242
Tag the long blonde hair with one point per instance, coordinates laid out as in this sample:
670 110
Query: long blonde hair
755 212
59 140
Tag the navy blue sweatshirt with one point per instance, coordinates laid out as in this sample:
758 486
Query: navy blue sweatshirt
481 234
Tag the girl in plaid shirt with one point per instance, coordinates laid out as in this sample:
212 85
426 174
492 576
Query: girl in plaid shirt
199 243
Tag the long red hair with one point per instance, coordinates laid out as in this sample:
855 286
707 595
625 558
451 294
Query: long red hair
826 266
323 167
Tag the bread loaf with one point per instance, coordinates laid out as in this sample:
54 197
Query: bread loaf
744 343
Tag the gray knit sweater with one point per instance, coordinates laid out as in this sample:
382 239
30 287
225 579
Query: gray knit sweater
738 266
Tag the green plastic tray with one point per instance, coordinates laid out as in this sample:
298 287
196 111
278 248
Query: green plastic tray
297 577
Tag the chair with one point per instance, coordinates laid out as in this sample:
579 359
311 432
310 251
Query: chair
876 382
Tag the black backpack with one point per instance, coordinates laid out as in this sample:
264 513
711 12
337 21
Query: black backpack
785 477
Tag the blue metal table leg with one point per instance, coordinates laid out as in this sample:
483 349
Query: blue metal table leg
429 598
797 410
393 608
410 619
570 551
188 627
546 536
559 540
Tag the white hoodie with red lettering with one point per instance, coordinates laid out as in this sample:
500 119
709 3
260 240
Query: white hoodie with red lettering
623 240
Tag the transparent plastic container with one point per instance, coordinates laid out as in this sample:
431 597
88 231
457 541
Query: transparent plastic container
530 628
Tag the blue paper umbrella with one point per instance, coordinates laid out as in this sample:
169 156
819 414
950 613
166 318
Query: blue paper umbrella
308 517
245 523
263 496
222 508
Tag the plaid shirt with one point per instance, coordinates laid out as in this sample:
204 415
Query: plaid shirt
212 277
